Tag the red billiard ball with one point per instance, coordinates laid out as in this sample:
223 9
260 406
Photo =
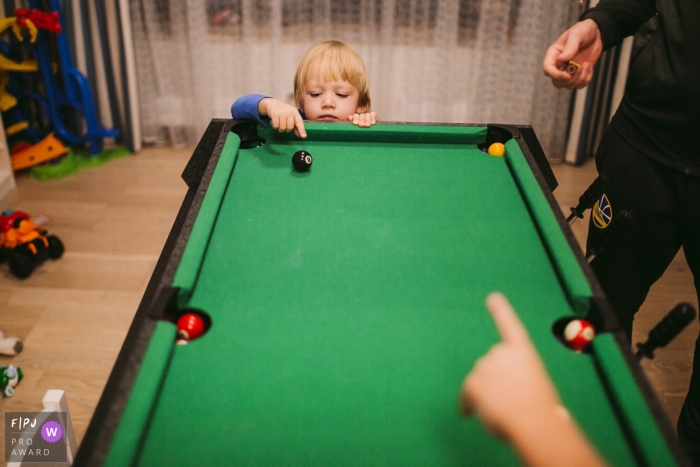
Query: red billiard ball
190 326
578 334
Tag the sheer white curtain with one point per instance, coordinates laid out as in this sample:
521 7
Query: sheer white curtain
476 61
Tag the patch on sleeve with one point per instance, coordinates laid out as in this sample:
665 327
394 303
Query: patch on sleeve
602 213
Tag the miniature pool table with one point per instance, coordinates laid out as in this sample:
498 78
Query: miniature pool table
345 305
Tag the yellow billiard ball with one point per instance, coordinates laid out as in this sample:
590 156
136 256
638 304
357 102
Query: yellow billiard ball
497 149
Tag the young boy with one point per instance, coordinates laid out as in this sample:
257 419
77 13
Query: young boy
330 85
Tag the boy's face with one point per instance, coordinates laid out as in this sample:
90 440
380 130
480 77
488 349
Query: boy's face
329 100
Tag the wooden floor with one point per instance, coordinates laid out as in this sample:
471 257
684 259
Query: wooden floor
73 314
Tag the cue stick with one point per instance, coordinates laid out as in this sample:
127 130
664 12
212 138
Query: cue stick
666 330
589 197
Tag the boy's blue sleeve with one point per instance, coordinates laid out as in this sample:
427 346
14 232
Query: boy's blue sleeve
246 108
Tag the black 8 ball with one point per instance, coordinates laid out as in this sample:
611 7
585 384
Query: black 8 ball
301 160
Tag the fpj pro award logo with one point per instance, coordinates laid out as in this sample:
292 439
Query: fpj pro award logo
35 437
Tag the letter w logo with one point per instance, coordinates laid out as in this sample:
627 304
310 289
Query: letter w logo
52 431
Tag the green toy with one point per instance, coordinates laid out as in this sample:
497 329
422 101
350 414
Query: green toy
9 379
74 161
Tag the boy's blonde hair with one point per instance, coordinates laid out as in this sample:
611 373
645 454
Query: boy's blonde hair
337 62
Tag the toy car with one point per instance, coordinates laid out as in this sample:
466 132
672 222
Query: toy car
24 245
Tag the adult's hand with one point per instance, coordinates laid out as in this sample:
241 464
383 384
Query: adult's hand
509 386
583 44
510 391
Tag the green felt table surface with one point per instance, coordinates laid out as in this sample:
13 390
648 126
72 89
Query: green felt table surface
347 305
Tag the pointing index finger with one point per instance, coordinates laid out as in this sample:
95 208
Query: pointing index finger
507 322
299 126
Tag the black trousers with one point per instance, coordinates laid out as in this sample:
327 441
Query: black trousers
665 206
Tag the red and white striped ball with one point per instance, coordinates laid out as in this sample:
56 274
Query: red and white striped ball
578 334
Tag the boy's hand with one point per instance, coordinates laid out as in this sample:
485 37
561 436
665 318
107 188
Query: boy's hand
509 387
283 117
364 120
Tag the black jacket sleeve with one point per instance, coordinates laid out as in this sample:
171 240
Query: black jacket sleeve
618 19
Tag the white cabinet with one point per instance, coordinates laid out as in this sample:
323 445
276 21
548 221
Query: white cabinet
7 179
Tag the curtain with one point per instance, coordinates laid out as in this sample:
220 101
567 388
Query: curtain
455 61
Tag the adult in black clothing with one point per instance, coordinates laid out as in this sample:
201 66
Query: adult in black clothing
651 150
